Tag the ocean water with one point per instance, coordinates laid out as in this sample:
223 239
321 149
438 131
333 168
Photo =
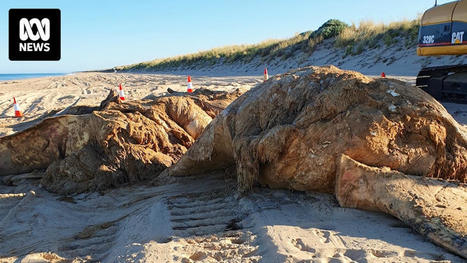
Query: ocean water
28 75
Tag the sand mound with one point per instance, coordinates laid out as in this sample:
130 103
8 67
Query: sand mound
119 143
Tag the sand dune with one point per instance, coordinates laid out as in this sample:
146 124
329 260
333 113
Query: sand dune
394 60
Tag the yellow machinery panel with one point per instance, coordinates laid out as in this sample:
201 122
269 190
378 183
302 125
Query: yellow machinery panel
443 30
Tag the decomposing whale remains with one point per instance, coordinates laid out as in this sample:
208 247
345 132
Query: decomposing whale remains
376 144
114 144
308 129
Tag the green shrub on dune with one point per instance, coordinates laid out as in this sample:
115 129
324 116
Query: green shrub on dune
331 28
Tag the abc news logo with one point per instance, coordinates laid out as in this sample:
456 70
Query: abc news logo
34 34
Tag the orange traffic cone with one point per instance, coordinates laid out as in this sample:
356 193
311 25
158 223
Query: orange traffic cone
17 110
189 87
121 94
266 76
383 75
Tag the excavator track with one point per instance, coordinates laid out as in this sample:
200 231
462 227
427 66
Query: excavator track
445 83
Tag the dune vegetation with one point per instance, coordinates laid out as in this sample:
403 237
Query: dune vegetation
353 38
368 35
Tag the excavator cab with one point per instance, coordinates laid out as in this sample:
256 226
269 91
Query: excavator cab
443 31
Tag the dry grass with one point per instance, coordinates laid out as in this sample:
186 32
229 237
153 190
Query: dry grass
355 39
228 54
371 35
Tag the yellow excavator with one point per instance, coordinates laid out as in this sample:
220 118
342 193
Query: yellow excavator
443 31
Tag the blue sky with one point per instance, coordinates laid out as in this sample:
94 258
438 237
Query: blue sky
103 34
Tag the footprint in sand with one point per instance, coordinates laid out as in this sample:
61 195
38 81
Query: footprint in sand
64 99
384 253
298 243
323 235
86 92
358 255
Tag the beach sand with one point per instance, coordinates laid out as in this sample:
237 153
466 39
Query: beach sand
40 96
184 219
204 219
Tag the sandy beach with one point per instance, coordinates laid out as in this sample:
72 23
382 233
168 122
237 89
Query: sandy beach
177 222
41 96
258 132
183 219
